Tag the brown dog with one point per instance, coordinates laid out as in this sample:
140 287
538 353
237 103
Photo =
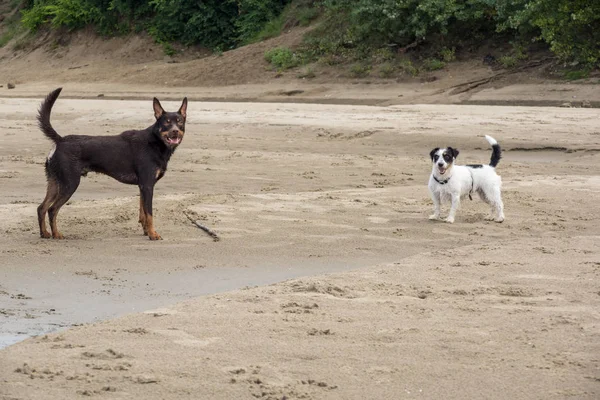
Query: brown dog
137 157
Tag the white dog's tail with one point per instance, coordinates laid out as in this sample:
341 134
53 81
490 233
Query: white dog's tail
496 151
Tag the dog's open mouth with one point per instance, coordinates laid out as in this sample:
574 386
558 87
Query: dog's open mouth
442 170
173 140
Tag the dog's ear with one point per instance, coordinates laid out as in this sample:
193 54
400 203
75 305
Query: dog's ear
158 110
183 108
452 151
432 152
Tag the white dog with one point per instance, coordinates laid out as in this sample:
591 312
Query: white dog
449 182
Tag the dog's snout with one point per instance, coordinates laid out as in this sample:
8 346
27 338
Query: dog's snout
440 164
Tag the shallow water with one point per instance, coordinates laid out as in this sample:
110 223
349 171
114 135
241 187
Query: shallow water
60 301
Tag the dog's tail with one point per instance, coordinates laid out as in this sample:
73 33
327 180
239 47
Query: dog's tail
496 151
44 116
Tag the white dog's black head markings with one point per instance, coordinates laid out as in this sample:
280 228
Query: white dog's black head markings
443 158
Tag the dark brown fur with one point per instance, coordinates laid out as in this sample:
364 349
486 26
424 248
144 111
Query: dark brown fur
136 157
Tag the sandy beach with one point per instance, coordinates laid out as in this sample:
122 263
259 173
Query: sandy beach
329 281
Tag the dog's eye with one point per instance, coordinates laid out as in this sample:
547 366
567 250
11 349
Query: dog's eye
179 120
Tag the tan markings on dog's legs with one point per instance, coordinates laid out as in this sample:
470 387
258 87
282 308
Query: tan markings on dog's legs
152 234
142 219
51 195
66 190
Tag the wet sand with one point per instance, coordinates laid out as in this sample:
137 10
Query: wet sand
474 309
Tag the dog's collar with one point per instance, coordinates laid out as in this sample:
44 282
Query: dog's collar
441 182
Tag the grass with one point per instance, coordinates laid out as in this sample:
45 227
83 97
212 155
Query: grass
6 37
168 49
448 55
517 54
508 61
407 67
433 64
282 58
271 29
386 70
301 15
360 70
13 28
577 74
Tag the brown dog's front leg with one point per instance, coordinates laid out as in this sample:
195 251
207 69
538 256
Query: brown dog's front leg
142 219
147 192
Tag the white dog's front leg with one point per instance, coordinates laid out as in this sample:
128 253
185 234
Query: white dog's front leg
453 208
436 206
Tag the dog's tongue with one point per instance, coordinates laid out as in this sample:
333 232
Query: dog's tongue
173 140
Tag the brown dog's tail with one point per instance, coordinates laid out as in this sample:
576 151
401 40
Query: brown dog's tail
44 116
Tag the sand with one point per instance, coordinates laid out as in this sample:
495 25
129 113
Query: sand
396 306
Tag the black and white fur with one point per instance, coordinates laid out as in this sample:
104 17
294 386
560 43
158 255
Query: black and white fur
451 183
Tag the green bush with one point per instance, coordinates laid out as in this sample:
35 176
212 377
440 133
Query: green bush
214 24
577 74
386 70
508 61
571 28
71 14
282 58
433 64
448 55
351 29
407 67
360 70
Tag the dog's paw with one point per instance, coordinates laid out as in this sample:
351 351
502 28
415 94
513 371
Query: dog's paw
58 236
154 236
434 217
45 235
499 220
450 220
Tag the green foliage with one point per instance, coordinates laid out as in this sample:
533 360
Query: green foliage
282 58
448 55
433 64
214 24
306 14
577 74
12 27
517 54
351 30
407 67
300 12
71 14
271 29
571 28
168 49
259 20
382 55
508 61
386 70
360 70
